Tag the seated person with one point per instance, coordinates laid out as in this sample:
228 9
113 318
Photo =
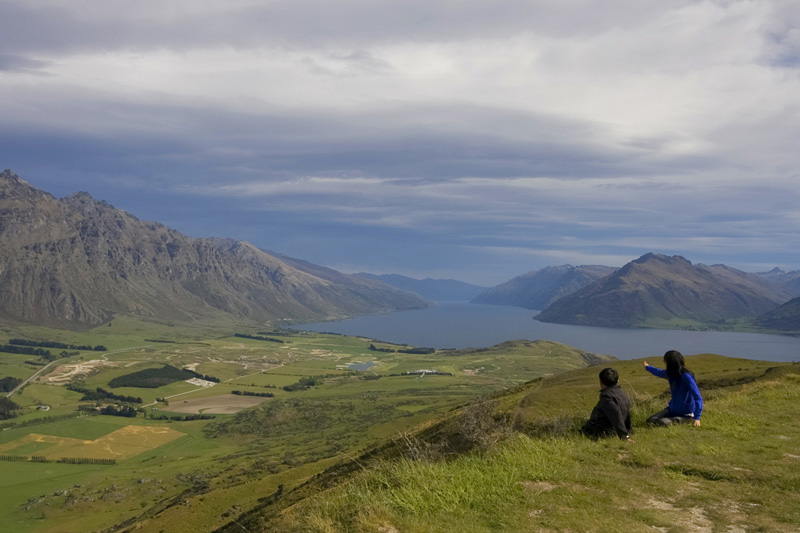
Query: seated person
686 403
612 414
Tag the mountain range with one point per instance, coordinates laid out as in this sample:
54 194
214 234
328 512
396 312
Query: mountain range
540 288
656 287
77 262
439 290
789 281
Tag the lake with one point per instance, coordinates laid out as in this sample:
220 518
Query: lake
465 325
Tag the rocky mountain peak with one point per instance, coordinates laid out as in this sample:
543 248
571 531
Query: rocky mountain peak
661 258
14 187
7 174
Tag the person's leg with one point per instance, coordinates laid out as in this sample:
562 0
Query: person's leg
590 431
661 418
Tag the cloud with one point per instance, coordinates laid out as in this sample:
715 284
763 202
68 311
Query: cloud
10 63
554 131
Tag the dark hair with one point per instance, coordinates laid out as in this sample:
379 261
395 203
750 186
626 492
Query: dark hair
676 367
609 377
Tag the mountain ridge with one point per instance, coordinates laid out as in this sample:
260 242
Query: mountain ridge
77 262
658 287
540 288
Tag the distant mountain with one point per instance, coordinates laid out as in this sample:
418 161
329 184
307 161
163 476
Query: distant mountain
540 288
784 318
658 287
439 290
76 262
789 281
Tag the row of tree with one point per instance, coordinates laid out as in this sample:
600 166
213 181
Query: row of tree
422 351
27 350
116 410
180 418
250 393
258 338
384 350
102 394
60 345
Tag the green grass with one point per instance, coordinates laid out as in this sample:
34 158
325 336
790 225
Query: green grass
739 471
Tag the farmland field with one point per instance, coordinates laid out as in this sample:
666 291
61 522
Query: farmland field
120 444
226 404
326 405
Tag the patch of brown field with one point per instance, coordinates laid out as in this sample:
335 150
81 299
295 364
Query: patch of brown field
66 373
225 404
120 444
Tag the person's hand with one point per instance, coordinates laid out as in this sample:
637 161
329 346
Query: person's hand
696 422
645 364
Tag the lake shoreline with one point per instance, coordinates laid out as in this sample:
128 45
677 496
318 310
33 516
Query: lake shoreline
461 325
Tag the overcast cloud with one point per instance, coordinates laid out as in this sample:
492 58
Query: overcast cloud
458 139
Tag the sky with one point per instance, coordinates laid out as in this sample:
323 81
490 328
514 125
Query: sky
446 139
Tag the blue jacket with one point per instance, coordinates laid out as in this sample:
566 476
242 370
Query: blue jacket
686 399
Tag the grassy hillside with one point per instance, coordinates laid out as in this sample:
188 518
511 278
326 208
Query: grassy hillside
196 475
740 471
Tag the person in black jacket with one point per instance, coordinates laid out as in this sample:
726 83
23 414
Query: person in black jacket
612 414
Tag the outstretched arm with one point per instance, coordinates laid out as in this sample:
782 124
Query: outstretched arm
655 371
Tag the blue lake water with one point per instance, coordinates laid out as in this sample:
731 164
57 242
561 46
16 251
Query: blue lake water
361 367
465 325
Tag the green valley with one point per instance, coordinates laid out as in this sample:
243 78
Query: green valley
200 452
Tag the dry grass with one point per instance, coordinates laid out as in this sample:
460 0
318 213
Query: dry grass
120 444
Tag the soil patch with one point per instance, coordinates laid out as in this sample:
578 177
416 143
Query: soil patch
69 372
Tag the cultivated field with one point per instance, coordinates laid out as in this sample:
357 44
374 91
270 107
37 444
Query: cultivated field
120 444
226 404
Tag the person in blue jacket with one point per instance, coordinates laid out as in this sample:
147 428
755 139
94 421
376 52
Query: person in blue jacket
686 404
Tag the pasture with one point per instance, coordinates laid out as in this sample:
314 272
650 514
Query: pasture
226 404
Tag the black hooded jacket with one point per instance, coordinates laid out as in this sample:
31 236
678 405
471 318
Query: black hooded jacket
611 415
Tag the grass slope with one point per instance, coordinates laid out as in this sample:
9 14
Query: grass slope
740 471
